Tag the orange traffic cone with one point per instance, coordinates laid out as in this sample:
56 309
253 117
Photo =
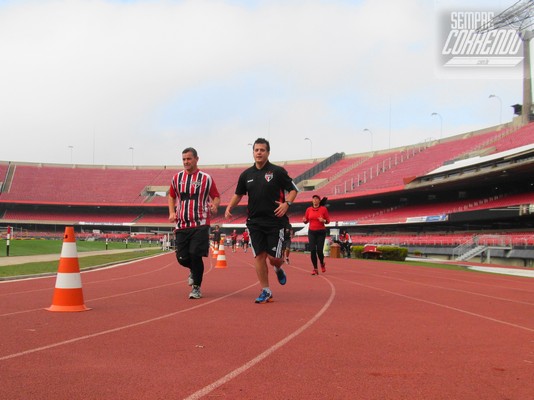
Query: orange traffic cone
214 251
221 257
68 295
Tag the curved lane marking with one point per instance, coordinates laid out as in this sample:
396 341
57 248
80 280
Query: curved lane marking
236 372
121 328
106 297
442 306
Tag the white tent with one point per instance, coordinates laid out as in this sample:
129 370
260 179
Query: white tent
303 231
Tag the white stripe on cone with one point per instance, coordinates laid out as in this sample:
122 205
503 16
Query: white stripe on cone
69 250
68 281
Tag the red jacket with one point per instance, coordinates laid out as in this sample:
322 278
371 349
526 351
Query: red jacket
312 217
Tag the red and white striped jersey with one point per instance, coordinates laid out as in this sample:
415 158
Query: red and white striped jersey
192 193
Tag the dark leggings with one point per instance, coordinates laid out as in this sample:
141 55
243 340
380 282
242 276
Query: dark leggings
191 245
316 240
195 264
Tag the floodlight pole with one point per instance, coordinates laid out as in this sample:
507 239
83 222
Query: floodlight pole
492 96
527 78
311 148
440 122
371 133
132 149
520 17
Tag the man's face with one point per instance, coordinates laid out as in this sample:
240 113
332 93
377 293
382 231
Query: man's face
189 161
260 153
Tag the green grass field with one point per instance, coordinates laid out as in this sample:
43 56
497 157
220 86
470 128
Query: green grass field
437 265
38 247
42 246
31 247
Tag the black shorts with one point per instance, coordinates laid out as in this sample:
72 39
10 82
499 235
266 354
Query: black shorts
266 239
193 241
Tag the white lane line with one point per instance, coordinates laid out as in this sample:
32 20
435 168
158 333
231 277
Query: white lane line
121 328
453 289
99 298
236 372
443 306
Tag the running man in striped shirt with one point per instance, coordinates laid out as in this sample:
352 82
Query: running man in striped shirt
193 197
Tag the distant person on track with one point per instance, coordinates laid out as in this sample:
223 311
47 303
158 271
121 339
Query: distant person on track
193 196
216 239
317 216
288 234
246 240
345 242
266 185
233 238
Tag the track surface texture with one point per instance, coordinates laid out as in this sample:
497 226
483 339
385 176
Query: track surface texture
363 330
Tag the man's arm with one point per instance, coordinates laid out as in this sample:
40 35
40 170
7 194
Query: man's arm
215 198
282 208
215 205
233 202
172 208
291 196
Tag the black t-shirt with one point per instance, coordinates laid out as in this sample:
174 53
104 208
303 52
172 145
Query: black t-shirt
264 188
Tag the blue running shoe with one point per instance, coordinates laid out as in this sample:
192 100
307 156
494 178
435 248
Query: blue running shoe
281 275
265 297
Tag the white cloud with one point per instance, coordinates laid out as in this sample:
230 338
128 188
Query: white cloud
162 75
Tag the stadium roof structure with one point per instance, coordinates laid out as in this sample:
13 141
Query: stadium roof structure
448 182
515 164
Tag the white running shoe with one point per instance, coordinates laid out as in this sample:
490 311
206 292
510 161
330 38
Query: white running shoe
195 293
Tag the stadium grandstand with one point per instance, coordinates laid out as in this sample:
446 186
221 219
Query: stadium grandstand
461 197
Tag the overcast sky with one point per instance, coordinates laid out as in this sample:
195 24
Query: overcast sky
115 82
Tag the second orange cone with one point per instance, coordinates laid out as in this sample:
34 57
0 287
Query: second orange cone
221 257
215 250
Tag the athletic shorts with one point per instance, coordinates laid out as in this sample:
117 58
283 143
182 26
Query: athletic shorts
193 241
266 239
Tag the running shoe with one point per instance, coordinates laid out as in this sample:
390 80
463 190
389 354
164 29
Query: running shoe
265 297
323 267
190 280
315 272
281 275
195 292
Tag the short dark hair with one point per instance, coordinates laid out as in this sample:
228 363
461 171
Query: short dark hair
190 150
315 196
262 141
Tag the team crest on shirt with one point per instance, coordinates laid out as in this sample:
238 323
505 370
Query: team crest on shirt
197 184
268 176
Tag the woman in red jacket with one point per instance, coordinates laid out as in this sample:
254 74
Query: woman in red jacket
317 216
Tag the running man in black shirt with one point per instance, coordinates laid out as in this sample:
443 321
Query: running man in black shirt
266 185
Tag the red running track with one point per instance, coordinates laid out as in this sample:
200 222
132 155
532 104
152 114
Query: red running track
364 330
